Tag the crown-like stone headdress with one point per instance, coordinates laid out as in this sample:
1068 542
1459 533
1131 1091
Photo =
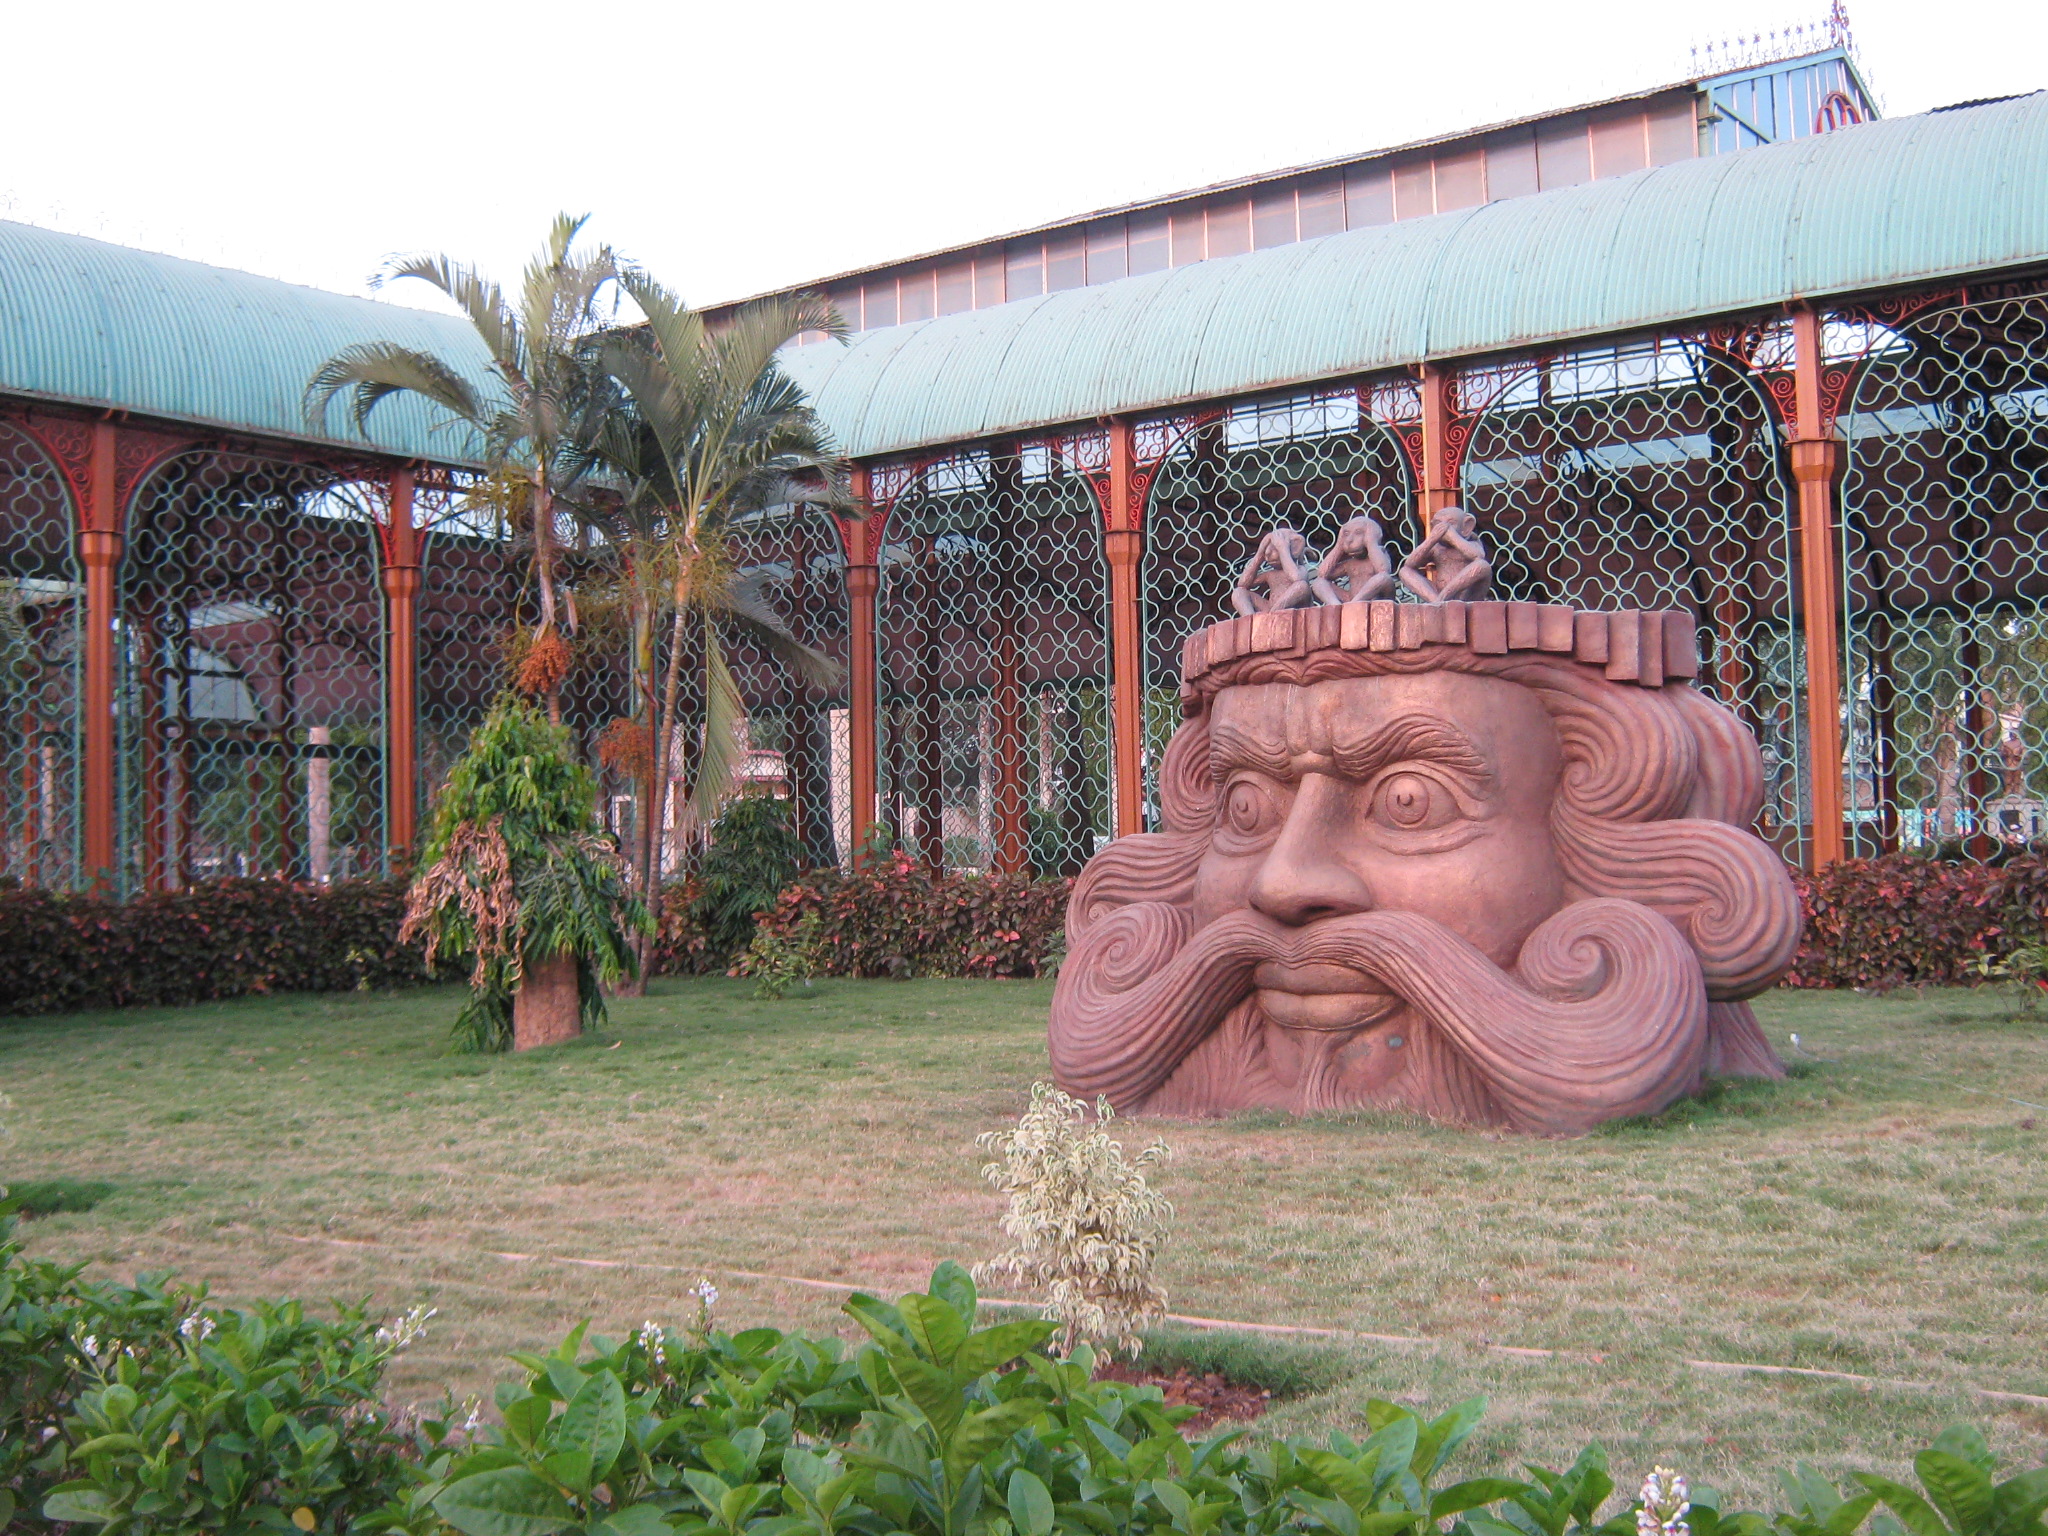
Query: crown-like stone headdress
1647 648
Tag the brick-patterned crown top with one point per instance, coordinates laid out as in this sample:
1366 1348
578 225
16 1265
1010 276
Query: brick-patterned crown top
1647 648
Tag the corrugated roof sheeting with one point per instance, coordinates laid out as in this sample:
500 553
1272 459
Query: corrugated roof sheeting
1898 201
108 326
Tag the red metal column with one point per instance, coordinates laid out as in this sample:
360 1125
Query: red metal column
1816 460
1439 487
863 581
401 581
99 551
1123 544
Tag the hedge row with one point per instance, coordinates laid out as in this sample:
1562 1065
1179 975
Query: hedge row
1901 921
896 917
1873 923
225 939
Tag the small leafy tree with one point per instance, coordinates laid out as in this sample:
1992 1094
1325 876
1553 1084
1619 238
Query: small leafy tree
754 855
516 872
1086 1224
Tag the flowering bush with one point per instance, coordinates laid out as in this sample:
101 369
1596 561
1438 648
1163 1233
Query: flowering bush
1901 920
894 917
225 939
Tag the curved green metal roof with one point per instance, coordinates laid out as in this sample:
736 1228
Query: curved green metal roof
89 323
1891 202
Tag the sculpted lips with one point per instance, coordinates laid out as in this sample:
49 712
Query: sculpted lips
1320 996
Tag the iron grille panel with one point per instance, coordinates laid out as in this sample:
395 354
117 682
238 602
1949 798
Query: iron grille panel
250 616
993 661
42 605
1944 517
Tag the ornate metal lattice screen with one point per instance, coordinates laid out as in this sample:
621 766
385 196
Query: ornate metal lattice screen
41 607
1224 477
1649 476
251 628
798 732
1944 517
993 659
470 577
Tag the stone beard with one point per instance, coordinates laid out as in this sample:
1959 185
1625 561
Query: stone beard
1492 889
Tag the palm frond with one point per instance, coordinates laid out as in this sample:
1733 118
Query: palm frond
372 370
743 603
725 718
481 300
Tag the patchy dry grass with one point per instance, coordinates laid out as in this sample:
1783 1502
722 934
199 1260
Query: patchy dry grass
1883 1213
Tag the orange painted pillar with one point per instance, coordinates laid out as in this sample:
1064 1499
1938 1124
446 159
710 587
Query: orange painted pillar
1123 544
1439 487
863 582
1816 460
99 551
401 580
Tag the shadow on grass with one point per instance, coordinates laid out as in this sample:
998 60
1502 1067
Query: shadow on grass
1806 1086
48 1197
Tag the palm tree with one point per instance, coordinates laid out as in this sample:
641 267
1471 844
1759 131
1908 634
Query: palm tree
715 432
541 349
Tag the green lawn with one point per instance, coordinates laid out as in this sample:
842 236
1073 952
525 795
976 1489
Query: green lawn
1872 1215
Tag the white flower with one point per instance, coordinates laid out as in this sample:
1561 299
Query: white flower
90 1344
705 1292
198 1328
651 1339
402 1331
1665 1500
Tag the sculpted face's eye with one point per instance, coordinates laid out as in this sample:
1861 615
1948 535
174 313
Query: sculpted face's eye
1413 802
1251 811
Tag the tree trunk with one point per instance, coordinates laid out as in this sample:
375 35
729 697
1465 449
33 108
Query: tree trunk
547 1009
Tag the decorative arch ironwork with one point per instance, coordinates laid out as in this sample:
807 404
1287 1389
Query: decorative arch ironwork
42 610
472 579
250 689
1219 478
993 657
1944 530
1650 475
799 733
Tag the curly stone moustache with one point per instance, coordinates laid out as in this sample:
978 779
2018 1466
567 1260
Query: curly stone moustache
1490 862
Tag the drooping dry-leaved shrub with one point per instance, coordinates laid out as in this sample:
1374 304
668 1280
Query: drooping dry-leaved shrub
1086 1223
515 871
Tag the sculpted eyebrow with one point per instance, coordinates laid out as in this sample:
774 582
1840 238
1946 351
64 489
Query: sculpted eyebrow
1408 738
1233 746
1411 738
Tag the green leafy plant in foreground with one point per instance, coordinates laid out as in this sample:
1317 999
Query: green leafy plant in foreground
142 1411
144 1408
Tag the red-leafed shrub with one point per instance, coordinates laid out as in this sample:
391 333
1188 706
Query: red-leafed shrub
226 939
684 941
1902 921
894 917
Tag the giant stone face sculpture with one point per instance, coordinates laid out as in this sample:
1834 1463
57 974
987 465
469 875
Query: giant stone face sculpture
1490 862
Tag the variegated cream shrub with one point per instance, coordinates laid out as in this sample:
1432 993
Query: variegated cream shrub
1085 1223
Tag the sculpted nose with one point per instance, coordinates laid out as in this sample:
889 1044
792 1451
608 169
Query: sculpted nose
1304 877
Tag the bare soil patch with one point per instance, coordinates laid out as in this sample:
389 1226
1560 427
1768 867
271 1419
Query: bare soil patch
1215 1395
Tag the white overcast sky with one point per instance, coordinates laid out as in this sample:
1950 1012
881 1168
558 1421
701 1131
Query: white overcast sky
733 147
